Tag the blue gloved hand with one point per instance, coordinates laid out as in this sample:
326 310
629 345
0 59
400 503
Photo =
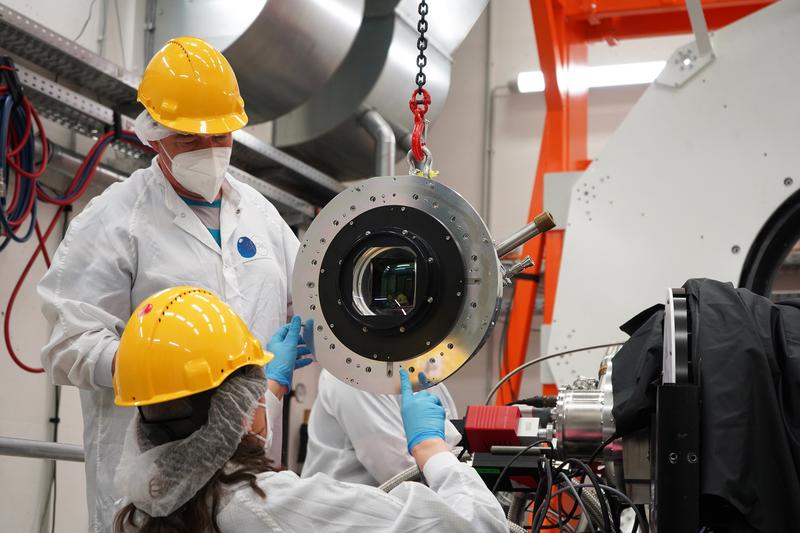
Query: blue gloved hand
285 345
308 335
423 414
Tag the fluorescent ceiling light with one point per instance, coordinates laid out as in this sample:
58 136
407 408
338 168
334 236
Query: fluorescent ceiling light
597 76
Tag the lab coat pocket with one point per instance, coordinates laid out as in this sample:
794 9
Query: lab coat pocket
262 293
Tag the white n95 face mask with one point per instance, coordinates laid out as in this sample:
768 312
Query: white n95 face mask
202 171
266 441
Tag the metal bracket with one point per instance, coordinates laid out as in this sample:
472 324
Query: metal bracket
688 60
676 459
516 269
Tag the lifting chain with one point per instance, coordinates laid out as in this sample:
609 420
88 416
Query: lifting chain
422 45
419 102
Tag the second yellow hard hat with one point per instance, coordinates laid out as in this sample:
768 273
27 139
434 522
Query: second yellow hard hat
189 86
179 342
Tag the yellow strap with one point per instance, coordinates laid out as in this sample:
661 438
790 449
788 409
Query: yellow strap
432 175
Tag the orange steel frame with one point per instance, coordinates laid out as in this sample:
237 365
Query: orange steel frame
563 29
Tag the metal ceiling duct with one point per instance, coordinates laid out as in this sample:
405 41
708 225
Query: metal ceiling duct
283 51
378 73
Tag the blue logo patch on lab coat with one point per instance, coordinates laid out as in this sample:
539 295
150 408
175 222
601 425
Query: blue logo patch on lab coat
246 247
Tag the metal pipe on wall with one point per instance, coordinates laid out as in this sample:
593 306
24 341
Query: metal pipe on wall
488 101
40 449
385 142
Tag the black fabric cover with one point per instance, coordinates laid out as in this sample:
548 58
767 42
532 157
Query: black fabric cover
747 351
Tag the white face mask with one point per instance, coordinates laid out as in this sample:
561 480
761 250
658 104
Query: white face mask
268 440
201 171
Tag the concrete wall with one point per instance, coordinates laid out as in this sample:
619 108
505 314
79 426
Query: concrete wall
500 45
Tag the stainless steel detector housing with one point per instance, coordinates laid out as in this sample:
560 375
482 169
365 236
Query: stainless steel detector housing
399 272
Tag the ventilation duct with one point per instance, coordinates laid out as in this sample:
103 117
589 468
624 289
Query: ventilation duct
317 66
282 51
378 74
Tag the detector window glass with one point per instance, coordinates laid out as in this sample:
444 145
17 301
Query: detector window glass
385 281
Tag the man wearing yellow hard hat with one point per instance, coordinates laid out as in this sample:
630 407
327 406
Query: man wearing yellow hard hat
183 220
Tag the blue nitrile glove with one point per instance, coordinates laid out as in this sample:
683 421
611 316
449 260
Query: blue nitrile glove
423 381
308 336
285 346
423 414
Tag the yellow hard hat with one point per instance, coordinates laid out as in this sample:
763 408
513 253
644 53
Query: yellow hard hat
189 86
179 342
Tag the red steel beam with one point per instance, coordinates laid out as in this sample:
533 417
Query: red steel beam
563 148
593 10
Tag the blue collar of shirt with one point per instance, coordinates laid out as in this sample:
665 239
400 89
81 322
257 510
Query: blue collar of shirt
191 202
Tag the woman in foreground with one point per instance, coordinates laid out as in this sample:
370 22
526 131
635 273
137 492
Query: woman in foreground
194 458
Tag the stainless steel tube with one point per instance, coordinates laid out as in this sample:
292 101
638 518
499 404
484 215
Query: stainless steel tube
541 223
40 449
513 450
385 142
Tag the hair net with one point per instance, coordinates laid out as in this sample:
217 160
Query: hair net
147 129
160 479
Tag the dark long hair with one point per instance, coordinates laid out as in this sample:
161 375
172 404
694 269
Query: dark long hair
200 513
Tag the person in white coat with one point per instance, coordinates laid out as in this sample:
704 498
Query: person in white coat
358 437
182 220
216 479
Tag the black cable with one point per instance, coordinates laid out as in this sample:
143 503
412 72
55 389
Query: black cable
545 505
571 514
595 482
538 496
56 420
578 503
602 446
643 513
511 462
616 492
537 401
560 523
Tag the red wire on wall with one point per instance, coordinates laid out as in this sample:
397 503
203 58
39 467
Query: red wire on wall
42 240
76 189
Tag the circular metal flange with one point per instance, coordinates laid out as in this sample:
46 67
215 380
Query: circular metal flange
474 303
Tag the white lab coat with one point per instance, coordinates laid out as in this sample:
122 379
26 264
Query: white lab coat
135 239
456 500
358 437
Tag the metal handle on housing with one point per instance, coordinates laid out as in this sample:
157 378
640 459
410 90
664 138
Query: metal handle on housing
541 223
